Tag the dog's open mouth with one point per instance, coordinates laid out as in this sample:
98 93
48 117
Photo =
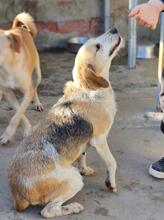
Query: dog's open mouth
114 48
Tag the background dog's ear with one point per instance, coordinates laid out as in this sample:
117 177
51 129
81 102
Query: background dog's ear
14 42
90 79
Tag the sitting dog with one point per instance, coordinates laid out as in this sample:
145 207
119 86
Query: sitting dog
42 170
18 59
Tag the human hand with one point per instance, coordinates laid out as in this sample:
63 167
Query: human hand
148 13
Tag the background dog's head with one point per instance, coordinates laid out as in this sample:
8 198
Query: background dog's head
12 40
94 58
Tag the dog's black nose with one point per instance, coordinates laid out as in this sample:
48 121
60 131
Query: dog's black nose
113 30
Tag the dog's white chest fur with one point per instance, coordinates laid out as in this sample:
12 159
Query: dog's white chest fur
106 99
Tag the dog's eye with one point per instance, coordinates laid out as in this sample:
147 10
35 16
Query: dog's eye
98 47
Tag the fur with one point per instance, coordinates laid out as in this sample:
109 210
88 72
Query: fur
43 166
18 59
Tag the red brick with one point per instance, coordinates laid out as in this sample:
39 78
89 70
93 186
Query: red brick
5 26
95 25
50 26
73 26
79 26
62 2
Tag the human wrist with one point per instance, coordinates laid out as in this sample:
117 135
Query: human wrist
158 4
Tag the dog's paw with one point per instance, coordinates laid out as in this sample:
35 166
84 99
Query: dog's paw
52 210
113 189
72 208
109 186
87 171
4 139
39 108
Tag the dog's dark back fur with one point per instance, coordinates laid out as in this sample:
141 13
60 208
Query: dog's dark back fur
63 132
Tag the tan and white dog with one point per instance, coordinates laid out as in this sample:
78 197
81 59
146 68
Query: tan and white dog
42 171
18 59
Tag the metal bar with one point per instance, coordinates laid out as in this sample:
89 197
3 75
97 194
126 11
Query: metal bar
106 15
160 61
132 37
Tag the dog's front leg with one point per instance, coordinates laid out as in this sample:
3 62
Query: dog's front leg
101 145
11 98
10 130
84 169
38 104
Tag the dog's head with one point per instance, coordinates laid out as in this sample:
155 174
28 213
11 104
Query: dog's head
9 42
94 58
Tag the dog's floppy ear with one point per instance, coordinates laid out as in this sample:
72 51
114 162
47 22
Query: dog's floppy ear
14 42
90 79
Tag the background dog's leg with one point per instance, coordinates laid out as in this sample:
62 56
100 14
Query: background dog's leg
101 145
38 104
84 169
55 208
11 98
14 122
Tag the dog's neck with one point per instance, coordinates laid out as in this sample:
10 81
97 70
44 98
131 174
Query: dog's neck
76 79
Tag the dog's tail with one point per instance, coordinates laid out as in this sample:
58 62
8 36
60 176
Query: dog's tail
26 21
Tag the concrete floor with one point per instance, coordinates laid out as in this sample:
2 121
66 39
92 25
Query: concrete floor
135 141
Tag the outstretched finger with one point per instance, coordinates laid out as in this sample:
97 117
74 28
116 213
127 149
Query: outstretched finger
134 12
